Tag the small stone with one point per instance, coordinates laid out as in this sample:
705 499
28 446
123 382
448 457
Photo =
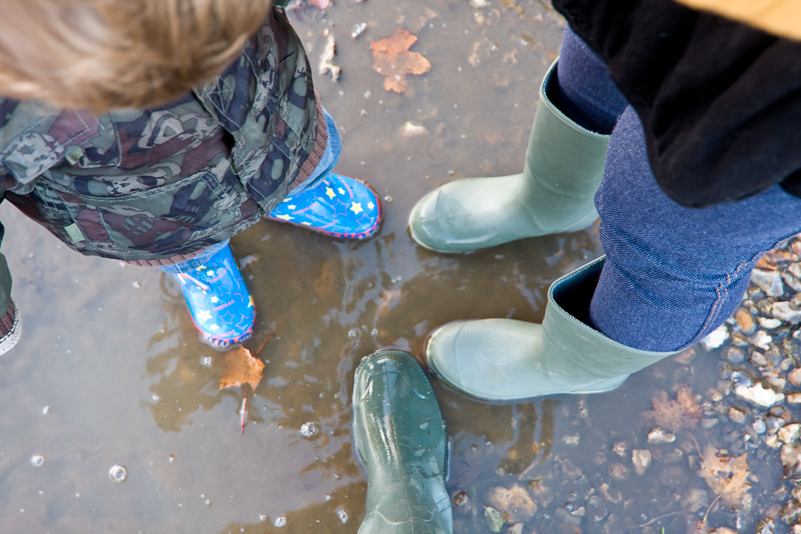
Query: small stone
784 311
794 398
413 129
736 415
759 426
759 395
795 376
765 526
596 508
735 355
791 511
514 503
641 459
619 448
709 422
745 321
460 499
517 528
716 338
769 323
657 435
790 433
768 281
791 457
618 471
792 281
613 497
761 340
758 359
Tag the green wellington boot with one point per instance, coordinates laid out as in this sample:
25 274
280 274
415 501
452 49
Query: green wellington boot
554 193
400 437
508 360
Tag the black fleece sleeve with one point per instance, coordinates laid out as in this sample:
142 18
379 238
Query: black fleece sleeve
720 101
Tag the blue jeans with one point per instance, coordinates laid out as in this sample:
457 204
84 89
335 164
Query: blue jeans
327 163
672 274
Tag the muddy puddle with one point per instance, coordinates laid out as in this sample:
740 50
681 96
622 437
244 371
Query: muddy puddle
110 371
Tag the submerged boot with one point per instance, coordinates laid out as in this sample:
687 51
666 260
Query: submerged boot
400 437
219 300
554 193
508 360
338 206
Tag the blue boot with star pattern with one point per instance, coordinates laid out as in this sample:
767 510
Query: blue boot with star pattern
338 206
219 300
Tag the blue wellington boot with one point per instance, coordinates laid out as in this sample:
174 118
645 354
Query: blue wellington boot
338 206
400 437
219 300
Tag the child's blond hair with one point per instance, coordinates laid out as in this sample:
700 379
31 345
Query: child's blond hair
104 54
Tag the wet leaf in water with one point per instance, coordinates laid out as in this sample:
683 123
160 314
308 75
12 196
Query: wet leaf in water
675 414
241 368
726 475
494 518
392 58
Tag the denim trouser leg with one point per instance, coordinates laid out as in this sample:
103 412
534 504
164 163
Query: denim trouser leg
673 274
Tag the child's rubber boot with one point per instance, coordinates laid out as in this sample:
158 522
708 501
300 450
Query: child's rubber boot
337 206
508 360
400 437
554 193
219 300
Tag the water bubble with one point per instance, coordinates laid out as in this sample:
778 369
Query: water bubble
205 361
342 514
37 460
309 430
353 333
328 497
263 517
46 410
155 397
280 521
171 458
388 199
118 473
374 332
206 500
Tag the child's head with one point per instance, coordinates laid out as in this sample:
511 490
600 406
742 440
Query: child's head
104 54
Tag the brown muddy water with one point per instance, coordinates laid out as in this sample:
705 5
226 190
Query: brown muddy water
110 371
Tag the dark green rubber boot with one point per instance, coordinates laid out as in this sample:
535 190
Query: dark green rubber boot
400 437
508 360
554 193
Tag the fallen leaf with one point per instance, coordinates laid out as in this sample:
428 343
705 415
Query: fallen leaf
726 475
675 414
327 64
241 368
392 58
494 518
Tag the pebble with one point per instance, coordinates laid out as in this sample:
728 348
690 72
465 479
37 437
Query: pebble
745 321
736 415
735 355
716 338
768 281
514 503
761 339
794 398
641 459
784 311
769 323
790 433
795 377
657 435
759 395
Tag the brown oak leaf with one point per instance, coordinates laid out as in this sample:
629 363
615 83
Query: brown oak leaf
241 368
726 475
392 58
675 414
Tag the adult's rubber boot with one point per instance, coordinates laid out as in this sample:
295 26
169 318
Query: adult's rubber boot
509 360
400 437
554 193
